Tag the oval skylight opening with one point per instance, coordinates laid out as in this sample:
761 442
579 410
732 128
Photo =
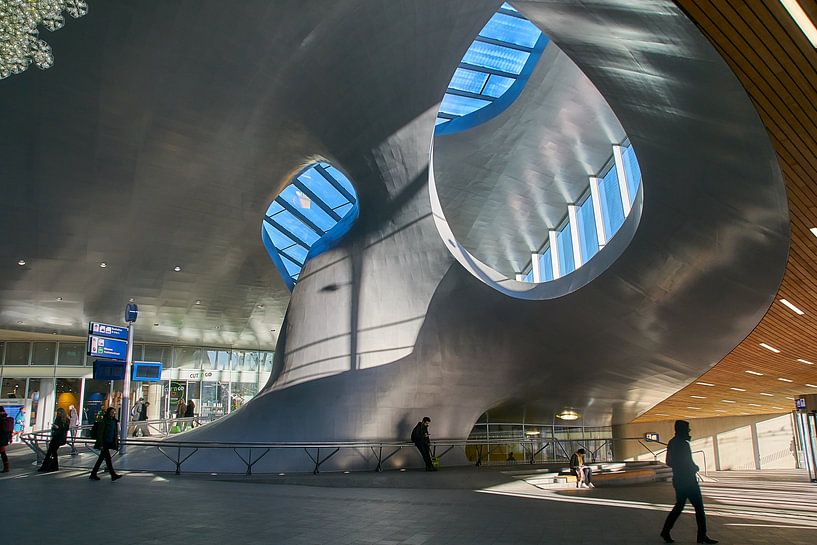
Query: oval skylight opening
313 212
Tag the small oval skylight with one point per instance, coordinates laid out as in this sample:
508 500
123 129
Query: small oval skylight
313 204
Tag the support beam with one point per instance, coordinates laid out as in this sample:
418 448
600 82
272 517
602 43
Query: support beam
618 158
572 219
599 217
536 267
554 253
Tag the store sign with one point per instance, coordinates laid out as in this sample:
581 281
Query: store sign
108 331
112 349
652 436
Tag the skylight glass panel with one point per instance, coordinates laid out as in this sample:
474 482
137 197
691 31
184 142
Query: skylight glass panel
297 227
528 277
340 178
506 5
546 265
611 207
564 240
457 105
291 267
631 171
497 85
296 252
316 183
279 239
274 208
495 57
510 29
440 121
468 80
311 211
344 209
588 237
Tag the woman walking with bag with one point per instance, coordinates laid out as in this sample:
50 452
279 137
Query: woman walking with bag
59 436
107 438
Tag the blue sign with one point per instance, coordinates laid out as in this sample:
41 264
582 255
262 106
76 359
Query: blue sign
112 349
109 370
147 371
109 331
800 404
131 312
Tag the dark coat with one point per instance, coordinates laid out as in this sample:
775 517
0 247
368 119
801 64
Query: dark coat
59 431
679 458
103 430
574 460
419 435
190 408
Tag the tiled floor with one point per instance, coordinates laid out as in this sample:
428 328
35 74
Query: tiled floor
368 508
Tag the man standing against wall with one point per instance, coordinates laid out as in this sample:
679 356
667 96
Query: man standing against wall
422 440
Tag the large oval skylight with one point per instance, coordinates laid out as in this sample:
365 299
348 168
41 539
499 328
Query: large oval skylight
503 54
313 204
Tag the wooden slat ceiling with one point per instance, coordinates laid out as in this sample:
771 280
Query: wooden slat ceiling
778 67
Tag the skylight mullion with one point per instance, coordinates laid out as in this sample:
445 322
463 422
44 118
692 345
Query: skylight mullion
331 179
511 13
478 68
300 216
286 232
292 259
469 95
502 43
317 200
446 115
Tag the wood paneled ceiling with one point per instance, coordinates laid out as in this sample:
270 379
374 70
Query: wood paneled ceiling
777 65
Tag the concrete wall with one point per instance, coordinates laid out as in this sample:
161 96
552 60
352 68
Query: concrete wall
721 444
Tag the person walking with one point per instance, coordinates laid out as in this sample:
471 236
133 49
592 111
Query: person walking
422 440
143 418
181 410
685 482
135 412
584 475
73 427
6 432
107 438
19 425
59 436
190 411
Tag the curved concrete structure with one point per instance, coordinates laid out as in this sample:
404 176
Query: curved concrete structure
388 326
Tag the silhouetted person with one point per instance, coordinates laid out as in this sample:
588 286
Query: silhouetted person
685 482
106 432
422 440
6 431
59 436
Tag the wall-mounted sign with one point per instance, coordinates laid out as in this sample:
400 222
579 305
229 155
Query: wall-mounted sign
109 370
112 349
652 436
147 371
800 404
107 330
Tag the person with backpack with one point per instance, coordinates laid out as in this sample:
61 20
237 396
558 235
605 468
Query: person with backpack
59 437
6 431
106 432
422 440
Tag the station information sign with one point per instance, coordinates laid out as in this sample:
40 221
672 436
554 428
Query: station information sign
112 349
109 370
108 331
147 371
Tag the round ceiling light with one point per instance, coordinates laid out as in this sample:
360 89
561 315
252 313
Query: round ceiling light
177 268
22 262
103 264
568 414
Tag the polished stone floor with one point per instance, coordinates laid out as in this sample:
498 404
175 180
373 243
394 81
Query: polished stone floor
454 506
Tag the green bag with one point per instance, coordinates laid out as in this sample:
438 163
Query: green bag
435 462
175 429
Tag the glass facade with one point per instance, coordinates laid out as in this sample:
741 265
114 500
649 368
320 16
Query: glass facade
218 380
611 212
503 49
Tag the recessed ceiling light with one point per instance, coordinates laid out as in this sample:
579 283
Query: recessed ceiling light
767 395
661 414
59 298
694 408
779 408
260 306
156 324
737 389
198 301
103 264
699 397
753 405
22 262
802 19
805 361
781 379
755 373
770 348
792 307
728 401
811 385
720 410
177 268
19 322
705 383
130 300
